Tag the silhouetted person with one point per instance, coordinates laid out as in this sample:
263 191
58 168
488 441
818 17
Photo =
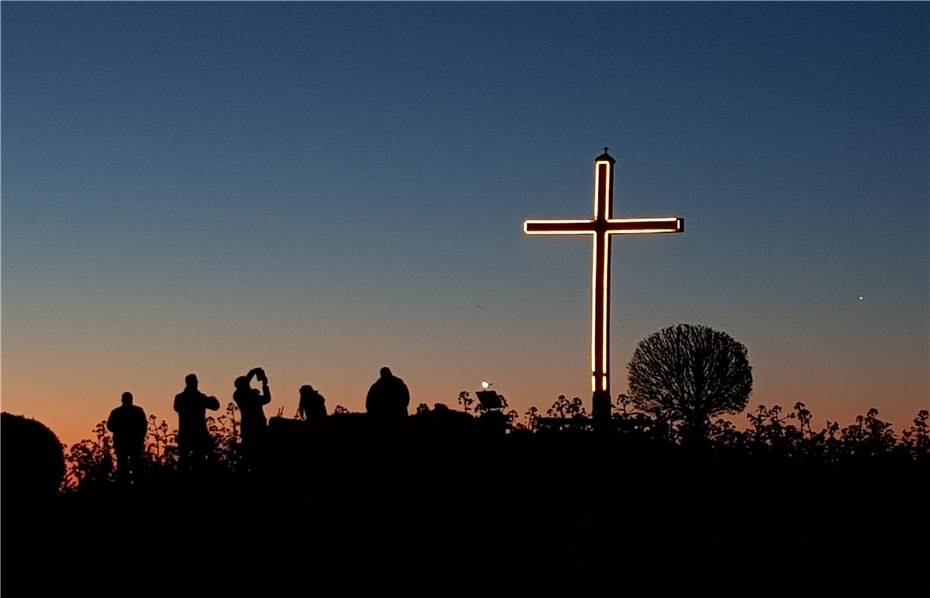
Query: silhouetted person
251 403
128 424
193 437
388 397
312 406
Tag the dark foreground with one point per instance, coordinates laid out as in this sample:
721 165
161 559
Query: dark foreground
441 509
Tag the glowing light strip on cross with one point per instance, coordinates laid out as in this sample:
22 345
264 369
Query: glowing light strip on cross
600 369
614 226
600 188
532 224
675 225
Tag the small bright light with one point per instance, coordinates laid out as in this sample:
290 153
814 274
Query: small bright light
485 384
861 298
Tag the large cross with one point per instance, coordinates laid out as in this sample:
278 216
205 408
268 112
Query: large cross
601 228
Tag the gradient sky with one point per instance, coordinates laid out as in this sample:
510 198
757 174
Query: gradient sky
325 189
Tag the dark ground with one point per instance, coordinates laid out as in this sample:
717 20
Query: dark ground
443 509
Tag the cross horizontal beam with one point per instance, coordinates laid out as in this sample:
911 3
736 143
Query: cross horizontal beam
613 226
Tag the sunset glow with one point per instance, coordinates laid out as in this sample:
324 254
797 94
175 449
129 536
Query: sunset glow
323 189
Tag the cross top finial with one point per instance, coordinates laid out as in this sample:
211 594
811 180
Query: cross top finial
605 156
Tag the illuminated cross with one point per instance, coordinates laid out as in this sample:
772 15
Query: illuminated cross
601 228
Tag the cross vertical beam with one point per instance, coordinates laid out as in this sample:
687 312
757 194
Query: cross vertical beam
602 228
600 289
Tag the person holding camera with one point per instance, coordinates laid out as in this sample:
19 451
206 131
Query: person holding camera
251 404
194 441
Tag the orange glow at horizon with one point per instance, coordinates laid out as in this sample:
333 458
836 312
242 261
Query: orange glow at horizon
71 400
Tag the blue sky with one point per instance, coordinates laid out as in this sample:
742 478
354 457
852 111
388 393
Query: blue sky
322 189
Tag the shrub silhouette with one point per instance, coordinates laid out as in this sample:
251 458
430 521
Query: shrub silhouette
689 373
565 408
90 461
33 459
465 400
915 441
869 436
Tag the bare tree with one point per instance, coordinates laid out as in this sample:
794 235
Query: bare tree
688 373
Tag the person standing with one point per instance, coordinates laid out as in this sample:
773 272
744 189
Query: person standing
128 425
388 397
194 441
